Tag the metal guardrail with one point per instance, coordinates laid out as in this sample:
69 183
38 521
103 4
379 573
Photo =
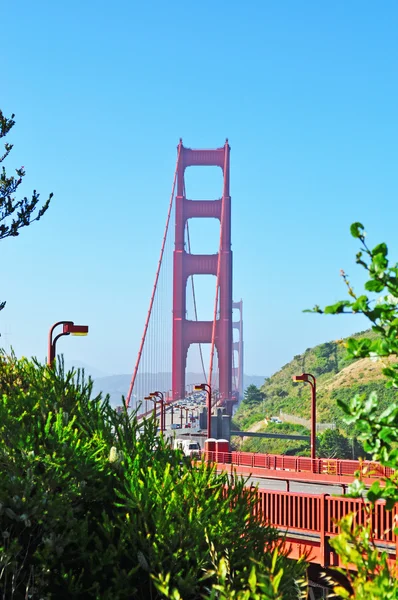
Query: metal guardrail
305 422
301 464
282 436
317 516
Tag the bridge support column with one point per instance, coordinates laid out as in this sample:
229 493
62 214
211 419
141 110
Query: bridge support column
187 332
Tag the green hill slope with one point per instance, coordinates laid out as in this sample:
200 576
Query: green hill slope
337 378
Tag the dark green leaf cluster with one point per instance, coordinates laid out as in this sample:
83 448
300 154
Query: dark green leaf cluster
94 505
15 214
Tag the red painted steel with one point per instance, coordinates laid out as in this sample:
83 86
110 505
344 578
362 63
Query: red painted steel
75 329
68 328
311 379
310 520
316 469
187 332
52 343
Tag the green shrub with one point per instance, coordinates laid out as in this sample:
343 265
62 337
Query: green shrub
95 506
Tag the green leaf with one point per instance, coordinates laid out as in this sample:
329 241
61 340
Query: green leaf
335 309
252 580
375 492
380 249
360 304
374 285
344 407
379 263
356 230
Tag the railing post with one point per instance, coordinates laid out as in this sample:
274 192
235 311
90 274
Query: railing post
324 547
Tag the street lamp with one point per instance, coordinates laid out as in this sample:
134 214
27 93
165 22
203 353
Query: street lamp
206 387
154 405
69 328
160 395
308 378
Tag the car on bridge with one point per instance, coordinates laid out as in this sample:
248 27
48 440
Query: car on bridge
189 447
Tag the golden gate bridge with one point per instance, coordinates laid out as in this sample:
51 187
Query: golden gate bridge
172 327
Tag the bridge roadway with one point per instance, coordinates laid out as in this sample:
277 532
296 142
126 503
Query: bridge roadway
266 483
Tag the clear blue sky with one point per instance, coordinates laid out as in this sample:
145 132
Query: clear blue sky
306 92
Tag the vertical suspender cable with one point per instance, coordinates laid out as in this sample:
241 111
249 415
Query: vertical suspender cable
130 391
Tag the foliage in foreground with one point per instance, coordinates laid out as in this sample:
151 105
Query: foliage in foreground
374 579
93 507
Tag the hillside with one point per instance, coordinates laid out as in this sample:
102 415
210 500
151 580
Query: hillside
337 377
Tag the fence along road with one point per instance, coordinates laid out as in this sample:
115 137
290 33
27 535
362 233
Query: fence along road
309 521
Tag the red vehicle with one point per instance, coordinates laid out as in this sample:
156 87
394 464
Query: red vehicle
187 424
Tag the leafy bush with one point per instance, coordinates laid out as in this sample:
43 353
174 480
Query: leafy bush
378 429
95 506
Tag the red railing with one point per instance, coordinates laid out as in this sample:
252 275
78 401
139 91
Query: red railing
301 464
316 517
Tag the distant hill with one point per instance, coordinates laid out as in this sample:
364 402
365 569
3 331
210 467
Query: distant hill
88 369
337 378
256 380
118 385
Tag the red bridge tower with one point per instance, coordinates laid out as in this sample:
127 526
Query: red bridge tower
186 332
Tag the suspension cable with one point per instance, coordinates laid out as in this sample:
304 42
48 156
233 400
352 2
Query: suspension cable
130 391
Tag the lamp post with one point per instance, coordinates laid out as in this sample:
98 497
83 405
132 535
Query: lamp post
181 417
69 328
160 395
186 415
206 387
146 398
308 378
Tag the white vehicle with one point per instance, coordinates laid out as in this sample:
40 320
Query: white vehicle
275 420
188 447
